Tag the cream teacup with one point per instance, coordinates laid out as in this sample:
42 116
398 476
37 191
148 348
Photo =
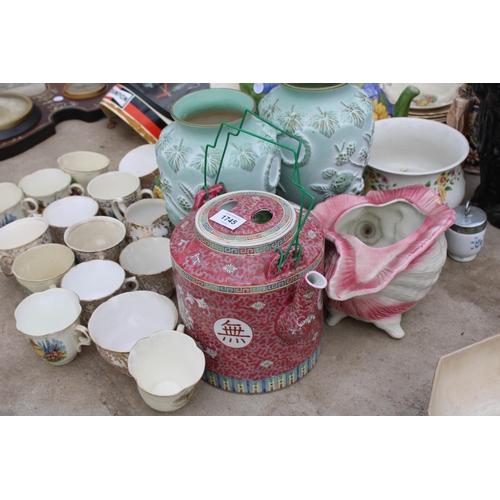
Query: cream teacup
95 238
19 236
114 187
166 366
149 260
13 204
67 211
50 320
39 267
95 282
141 162
83 166
145 218
48 185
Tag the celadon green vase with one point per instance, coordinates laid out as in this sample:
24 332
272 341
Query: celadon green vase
249 162
335 123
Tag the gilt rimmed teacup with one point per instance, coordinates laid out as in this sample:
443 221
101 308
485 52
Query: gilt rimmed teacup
67 211
50 320
149 260
95 282
48 185
39 267
112 188
96 238
19 236
13 204
145 218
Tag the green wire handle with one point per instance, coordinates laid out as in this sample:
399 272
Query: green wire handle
297 253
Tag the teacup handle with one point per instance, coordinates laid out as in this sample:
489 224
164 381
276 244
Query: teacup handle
85 340
5 265
146 193
134 287
119 208
26 205
79 188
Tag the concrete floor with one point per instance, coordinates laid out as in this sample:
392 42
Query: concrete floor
361 370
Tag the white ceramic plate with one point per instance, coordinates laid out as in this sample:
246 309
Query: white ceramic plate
432 95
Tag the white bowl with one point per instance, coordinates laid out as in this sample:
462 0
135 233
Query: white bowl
467 381
408 151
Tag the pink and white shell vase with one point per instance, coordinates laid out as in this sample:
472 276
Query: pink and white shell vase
384 251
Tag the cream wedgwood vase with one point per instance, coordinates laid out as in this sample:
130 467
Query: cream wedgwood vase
335 123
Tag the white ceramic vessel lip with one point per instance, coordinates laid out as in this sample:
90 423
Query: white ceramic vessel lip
63 251
195 349
111 185
10 195
72 279
433 399
125 297
151 242
140 161
67 162
35 184
38 296
94 220
55 218
9 241
421 124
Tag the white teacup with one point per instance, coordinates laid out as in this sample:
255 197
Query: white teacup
166 366
13 204
114 187
141 162
95 238
144 218
68 211
149 260
117 324
95 282
39 267
48 185
19 236
83 166
50 320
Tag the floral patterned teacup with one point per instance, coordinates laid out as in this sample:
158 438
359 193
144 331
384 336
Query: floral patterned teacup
145 218
47 185
116 187
95 282
97 237
18 236
50 321
141 162
148 259
13 204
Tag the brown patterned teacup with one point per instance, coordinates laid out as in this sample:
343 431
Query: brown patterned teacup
148 259
96 238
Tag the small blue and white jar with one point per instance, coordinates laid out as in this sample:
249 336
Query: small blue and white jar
466 237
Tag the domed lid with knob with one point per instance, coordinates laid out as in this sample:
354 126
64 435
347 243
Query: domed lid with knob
469 219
